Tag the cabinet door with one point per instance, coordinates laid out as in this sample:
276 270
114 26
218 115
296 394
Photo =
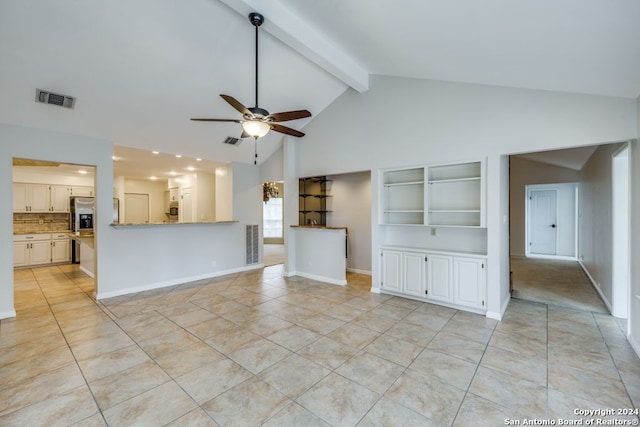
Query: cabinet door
20 254
59 198
391 272
80 191
439 272
413 269
60 251
40 252
174 194
39 198
469 283
20 202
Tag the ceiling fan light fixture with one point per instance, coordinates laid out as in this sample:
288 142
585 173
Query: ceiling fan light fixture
256 128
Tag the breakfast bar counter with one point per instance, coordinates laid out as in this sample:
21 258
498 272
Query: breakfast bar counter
321 253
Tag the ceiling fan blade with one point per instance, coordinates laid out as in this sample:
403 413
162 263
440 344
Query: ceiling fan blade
236 104
217 120
244 134
289 115
283 129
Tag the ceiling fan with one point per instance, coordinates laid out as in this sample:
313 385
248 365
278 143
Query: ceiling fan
256 121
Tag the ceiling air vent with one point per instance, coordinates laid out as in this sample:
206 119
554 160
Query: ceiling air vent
232 141
55 99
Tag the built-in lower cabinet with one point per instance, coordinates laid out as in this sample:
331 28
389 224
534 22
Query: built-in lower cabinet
442 278
40 249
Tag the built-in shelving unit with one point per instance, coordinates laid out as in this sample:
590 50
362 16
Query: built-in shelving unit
450 195
403 196
314 200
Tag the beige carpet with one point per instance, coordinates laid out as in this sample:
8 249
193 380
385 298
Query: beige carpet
562 283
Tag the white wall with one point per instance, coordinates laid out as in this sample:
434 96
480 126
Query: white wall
351 200
272 169
524 172
224 193
402 122
595 219
634 306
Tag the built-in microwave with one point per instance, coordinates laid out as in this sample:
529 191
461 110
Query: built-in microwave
173 211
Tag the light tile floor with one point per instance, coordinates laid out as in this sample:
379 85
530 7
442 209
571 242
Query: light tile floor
256 348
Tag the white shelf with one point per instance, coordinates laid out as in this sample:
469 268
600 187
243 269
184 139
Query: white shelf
399 184
447 181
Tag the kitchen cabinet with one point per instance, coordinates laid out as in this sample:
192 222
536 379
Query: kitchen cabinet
35 198
446 278
81 191
60 248
31 249
31 197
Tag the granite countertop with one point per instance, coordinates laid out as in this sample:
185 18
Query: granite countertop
41 232
152 224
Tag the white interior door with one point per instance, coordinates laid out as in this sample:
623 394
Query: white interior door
136 208
187 205
542 222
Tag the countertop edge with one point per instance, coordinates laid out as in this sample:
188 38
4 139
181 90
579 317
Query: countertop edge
161 224
319 227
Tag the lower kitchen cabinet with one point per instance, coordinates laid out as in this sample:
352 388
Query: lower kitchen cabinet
40 249
444 278
60 249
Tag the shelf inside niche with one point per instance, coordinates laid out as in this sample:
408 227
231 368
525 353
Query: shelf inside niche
403 177
455 171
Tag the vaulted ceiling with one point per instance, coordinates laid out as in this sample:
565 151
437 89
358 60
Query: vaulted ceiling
140 69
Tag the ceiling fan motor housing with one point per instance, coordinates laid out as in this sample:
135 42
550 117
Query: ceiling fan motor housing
256 19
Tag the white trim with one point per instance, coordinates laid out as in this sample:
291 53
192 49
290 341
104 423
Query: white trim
552 257
635 345
8 314
87 272
595 286
375 290
319 278
499 316
174 282
357 271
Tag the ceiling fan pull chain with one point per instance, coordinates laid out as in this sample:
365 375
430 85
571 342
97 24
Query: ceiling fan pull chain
255 150
257 24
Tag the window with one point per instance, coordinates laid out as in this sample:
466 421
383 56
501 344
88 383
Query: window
272 217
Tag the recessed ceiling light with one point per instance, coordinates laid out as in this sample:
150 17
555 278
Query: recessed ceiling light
172 173
155 152
83 172
178 155
115 158
198 159
153 177
191 168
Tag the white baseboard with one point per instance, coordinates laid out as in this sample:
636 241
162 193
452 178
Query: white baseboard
375 290
595 286
499 316
552 257
634 344
320 278
87 272
357 271
7 314
173 282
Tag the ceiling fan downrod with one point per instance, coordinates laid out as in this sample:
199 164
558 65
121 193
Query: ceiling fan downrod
256 20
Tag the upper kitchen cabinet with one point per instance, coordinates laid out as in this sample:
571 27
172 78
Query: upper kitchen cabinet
81 191
40 198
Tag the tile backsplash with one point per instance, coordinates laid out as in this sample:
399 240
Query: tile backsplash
34 222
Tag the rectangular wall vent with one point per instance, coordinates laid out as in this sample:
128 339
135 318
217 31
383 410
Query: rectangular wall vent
55 99
232 141
251 244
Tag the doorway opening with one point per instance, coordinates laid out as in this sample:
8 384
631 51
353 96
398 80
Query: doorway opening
273 223
620 223
44 243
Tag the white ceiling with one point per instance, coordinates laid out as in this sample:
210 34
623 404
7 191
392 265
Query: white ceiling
140 69
572 158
